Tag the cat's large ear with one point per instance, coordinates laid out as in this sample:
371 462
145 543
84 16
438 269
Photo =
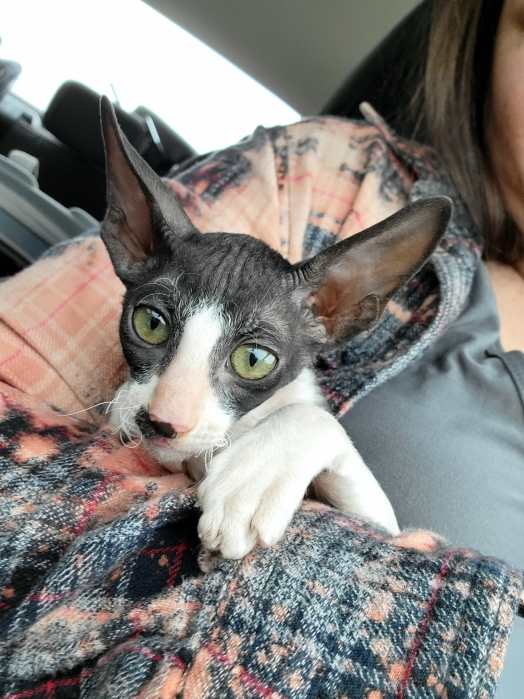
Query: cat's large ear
348 284
143 216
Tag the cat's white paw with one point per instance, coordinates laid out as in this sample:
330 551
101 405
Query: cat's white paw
253 488
350 486
247 497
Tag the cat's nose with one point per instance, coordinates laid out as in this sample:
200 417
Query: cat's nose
168 429
164 429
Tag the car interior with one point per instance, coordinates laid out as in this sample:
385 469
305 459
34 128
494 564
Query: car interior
52 185
318 59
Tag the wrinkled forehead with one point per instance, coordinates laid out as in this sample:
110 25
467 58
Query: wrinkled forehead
233 271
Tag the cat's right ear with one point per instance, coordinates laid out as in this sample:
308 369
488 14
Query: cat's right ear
143 217
348 285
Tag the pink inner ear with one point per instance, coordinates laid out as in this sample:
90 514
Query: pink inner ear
343 306
324 303
137 235
335 302
126 197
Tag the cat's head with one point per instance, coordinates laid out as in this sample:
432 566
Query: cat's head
215 325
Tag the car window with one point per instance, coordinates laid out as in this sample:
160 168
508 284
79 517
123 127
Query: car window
128 50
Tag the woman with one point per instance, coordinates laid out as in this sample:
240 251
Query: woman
93 524
459 409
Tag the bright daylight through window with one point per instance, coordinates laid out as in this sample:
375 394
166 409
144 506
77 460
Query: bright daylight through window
126 48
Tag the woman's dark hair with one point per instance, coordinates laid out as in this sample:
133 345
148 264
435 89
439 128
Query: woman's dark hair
450 104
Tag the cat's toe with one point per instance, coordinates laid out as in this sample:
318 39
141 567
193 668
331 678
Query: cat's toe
209 530
208 560
236 544
269 526
227 530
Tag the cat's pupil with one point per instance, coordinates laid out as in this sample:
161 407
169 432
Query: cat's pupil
154 322
252 362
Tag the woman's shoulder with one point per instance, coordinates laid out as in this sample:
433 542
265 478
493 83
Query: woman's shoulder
325 137
331 127
371 128
330 174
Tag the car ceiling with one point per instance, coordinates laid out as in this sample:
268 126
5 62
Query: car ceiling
300 49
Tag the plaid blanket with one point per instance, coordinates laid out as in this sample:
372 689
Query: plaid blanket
100 591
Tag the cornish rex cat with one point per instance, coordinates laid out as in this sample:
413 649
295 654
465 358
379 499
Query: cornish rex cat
220 333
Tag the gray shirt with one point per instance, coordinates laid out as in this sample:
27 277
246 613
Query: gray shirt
445 438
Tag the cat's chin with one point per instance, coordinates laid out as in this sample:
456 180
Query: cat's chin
174 455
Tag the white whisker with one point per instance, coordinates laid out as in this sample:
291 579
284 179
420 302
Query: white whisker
131 444
208 455
156 294
85 410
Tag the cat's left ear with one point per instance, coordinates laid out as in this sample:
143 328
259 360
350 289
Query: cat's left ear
143 216
349 284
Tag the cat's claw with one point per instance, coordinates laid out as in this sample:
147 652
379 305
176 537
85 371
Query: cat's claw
208 560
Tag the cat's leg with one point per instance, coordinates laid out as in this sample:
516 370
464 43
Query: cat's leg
253 487
349 485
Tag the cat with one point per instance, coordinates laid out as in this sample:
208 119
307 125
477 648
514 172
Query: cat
220 333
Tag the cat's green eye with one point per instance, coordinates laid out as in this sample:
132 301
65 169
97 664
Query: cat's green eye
253 362
150 325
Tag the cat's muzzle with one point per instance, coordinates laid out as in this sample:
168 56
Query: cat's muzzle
151 429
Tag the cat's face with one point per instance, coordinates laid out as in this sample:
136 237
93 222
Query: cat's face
209 334
214 326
